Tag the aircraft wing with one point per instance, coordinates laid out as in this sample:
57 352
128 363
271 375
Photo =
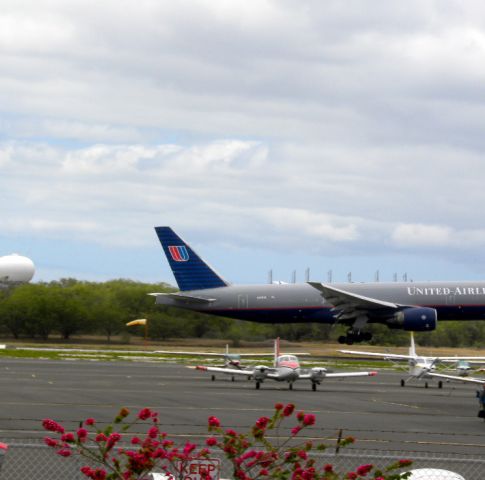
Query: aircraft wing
480 381
339 375
213 354
456 359
351 305
228 371
391 356
351 374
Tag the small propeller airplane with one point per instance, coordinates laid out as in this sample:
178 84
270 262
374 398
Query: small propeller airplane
286 368
229 359
424 368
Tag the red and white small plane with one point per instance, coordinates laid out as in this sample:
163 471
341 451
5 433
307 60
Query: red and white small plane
286 368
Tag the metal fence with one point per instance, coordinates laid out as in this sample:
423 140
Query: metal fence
32 460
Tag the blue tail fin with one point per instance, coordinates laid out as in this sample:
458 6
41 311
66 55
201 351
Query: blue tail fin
190 271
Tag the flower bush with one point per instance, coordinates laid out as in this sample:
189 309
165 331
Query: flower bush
252 455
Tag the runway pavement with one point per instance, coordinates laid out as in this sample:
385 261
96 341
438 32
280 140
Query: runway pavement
376 410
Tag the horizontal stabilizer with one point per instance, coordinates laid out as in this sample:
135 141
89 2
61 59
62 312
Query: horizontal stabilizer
178 297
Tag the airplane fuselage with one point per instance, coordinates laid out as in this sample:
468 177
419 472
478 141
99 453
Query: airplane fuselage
288 303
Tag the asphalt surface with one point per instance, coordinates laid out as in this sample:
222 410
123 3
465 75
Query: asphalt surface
376 410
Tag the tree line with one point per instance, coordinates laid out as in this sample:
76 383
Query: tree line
69 307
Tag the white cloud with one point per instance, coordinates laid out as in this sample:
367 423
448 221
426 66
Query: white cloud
359 128
437 236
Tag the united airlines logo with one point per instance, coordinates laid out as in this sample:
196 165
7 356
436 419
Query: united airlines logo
179 253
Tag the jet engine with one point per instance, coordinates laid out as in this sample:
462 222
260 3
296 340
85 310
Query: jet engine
16 269
416 319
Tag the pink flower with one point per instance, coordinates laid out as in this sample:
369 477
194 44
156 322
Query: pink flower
351 476
99 474
231 433
101 437
214 422
189 448
144 414
405 463
363 470
135 441
51 442
278 406
68 437
295 430
288 410
52 426
300 416
90 421
88 471
309 419
264 471
153 432
82 434
328 467
302 454
112 439
262 422
211 442
64 452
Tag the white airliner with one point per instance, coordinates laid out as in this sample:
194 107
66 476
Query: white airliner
424 368
286 368
15 269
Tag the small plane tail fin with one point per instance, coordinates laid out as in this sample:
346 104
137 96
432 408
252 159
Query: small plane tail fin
412 347
189 270
276 351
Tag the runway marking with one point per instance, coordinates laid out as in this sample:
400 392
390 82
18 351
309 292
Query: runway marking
397 404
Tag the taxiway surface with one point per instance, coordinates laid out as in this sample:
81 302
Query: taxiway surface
376 410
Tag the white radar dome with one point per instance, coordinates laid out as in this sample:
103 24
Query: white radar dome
434 474
16 269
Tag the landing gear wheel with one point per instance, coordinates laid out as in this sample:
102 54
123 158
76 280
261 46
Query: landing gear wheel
350 340
314 387
258 385
440 384
402 383
213 377
426 385
290 386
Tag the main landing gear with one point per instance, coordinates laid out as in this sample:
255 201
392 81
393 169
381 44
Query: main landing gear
355 336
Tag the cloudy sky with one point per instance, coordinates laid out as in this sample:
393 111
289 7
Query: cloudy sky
270 134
